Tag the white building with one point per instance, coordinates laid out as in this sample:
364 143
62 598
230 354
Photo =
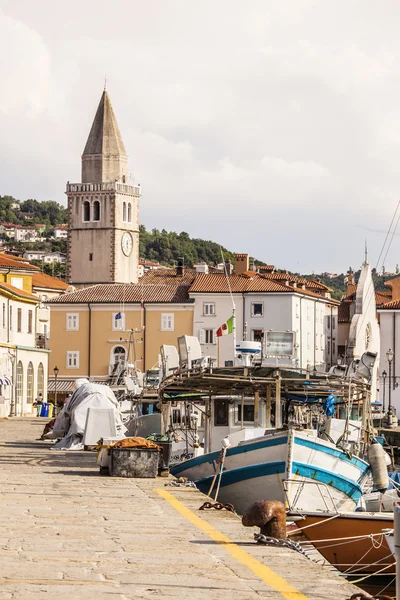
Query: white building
389 319
47 257
25 234
262 304
61 232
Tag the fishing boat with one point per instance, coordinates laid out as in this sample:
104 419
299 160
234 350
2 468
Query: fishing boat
294 466
281 436
353 542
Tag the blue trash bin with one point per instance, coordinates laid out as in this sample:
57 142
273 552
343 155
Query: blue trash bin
45 410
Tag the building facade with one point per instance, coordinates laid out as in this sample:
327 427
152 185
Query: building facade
103 209
264 304
96 330
23 322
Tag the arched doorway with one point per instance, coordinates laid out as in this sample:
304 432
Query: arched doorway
29 384
40 380
19 385
118 355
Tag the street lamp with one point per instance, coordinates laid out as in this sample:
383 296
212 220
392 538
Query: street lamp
384 375
55 371
12 406
390 356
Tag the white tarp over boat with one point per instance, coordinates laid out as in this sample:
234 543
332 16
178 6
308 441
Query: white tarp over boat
70 424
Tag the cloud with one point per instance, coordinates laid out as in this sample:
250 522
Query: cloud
269 117
295 168
24 69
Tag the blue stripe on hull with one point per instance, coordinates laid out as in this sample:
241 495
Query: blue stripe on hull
245 473
347 486
360 464
213 456
342 484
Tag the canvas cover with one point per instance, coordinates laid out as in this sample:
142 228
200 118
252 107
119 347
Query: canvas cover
70 424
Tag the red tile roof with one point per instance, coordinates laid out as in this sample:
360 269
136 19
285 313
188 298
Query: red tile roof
382 297
344 312
41 280
15 263
115 293
168 276
218 283
17 292
392 305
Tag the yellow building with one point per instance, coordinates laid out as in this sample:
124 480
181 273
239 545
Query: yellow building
24 321
97 331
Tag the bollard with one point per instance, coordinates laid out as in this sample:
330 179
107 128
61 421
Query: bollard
396 515
269 516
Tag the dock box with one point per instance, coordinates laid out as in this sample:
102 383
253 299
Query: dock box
134 462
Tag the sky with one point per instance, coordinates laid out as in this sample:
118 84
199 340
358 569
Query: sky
269 126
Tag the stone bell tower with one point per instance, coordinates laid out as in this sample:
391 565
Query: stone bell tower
103 210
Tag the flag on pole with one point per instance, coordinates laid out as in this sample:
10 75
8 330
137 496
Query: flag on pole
226 328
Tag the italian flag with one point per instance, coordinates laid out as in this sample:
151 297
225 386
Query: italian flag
226 328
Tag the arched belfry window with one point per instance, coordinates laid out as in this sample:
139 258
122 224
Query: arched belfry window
129 212
96 210
124 211
86 211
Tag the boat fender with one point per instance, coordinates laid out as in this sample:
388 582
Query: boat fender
377 461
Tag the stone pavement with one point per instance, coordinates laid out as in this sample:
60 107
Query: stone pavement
68 533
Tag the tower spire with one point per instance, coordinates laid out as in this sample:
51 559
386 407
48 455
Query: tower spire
104 157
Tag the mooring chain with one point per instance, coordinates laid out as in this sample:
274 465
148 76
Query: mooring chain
271 541
217 506
185 484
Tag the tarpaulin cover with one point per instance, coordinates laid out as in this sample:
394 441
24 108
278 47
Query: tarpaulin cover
136 442
70 424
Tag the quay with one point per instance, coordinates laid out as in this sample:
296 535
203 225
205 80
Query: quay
68 533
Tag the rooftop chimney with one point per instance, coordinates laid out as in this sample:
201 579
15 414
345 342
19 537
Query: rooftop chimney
202 268
241 263
180 268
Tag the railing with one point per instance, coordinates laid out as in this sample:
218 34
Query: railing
112 186
303 484
40 340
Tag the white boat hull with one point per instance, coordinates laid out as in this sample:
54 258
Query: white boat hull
299 469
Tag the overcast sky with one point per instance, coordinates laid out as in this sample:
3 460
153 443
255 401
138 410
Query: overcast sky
271 127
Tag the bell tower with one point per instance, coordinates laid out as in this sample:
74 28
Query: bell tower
103 210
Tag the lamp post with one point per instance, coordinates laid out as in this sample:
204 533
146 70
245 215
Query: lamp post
55 371
12 406
384 375
389 356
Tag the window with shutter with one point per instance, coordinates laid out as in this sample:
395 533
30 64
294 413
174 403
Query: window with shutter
209 309
73 359
118 321
167 322
72 321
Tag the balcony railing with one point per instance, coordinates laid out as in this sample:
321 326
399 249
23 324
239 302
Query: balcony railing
40 340
112 186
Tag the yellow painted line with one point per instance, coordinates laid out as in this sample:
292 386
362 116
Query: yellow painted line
262 571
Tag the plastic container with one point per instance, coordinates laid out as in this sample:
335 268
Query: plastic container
134 462
50 411
166 444
45 410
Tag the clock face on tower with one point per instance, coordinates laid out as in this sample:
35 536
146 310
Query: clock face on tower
126 243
